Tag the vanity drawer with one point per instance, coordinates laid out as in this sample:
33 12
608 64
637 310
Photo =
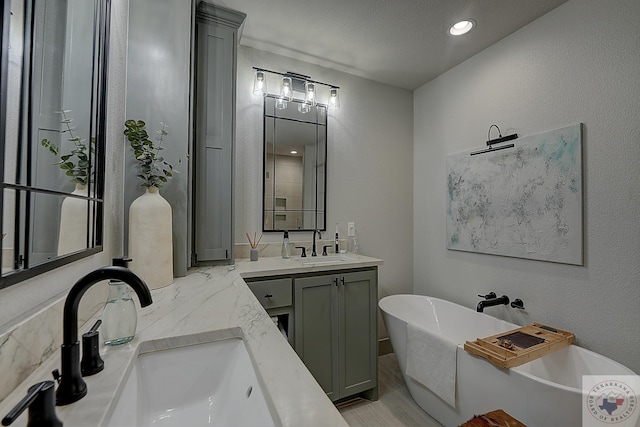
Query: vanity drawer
273 293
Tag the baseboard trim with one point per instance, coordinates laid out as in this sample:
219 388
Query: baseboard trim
384 346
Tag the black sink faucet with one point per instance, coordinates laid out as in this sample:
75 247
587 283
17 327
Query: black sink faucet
313 248
72 387
491 300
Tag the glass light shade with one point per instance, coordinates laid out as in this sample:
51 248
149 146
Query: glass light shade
334 98
310 93
281 103
304 107
260 83
287 89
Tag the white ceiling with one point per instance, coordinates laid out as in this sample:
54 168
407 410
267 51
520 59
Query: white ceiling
403 43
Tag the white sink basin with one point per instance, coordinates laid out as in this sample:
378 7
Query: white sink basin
323 259
208 384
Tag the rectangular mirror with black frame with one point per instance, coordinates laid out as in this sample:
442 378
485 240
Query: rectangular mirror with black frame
295 165
52 126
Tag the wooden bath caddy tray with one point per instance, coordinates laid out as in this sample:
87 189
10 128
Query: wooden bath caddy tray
522 345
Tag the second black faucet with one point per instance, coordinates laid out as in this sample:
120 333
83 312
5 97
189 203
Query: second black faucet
313 248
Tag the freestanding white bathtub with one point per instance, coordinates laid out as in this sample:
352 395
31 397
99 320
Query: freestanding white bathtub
544 392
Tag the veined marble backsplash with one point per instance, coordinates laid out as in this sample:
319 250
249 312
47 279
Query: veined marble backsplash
26 345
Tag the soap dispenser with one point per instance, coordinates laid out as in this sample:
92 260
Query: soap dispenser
286 249
119 318
352 241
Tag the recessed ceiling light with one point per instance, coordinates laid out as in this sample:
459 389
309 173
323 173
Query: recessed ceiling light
294 152
462 27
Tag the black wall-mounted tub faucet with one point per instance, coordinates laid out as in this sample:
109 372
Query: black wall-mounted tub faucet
490 302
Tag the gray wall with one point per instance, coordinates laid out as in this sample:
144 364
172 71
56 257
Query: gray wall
158 67
577 64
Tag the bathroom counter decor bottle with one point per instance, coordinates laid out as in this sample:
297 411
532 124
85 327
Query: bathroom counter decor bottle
150 238
286 249
253 251
352 241
119 317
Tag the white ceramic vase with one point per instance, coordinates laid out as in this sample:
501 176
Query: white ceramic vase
150 241
73 222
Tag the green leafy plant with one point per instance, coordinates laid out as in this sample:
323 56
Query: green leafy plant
155 171
75 163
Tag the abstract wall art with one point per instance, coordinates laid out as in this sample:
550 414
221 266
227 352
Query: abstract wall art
523 202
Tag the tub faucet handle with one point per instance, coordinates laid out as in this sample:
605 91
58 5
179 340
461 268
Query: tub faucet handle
517 303
488 296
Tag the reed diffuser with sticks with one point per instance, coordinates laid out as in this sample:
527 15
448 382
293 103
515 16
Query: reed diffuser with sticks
253 252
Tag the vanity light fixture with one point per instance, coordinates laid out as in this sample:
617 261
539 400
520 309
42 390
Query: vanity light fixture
304 107
334 98
294 82
462 27
287 88
310 93
260 83
281 103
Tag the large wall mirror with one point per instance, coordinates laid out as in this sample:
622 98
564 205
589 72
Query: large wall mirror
295 165
54 55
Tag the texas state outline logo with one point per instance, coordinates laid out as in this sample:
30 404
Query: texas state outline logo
610 400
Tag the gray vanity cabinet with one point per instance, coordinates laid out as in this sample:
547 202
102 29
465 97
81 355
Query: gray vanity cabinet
215 96
336 331
275 295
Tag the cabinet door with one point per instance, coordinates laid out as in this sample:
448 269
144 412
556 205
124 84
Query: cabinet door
214 127
359 332
316 329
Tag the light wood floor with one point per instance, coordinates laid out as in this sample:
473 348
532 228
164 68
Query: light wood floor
394 407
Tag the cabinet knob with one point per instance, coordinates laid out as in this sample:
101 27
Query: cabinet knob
268 296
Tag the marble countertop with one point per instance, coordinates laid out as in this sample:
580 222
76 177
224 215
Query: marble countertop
209 299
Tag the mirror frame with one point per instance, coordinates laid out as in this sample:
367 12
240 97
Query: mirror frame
22 268
266 117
